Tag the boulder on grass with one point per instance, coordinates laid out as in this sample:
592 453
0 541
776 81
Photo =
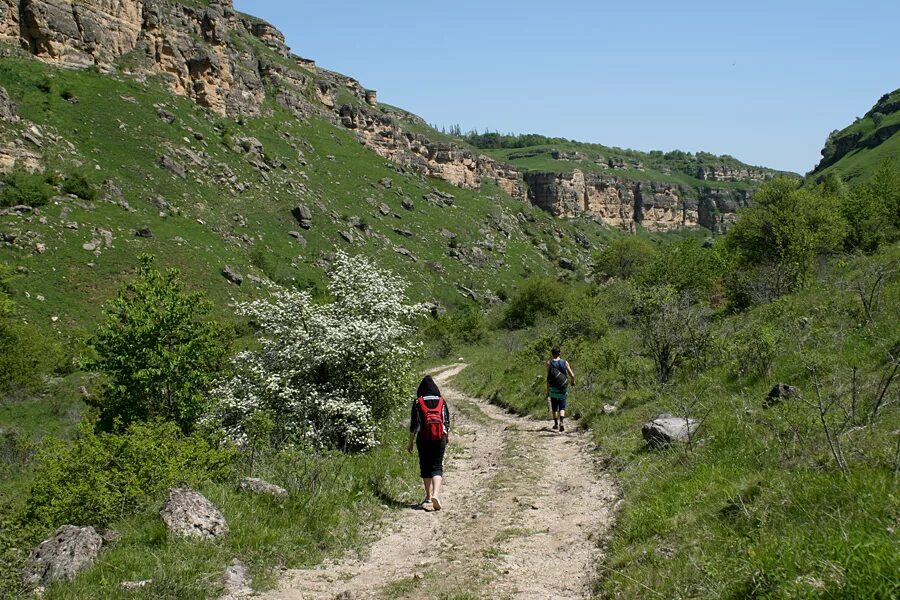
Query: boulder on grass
187 513
666 429
62 556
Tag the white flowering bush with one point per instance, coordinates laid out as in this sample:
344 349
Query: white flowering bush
327 373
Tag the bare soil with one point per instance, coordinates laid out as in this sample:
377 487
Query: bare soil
525 512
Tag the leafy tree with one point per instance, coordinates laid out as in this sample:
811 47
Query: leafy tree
539 297
673 331
159 351
686 266
785 229
623 258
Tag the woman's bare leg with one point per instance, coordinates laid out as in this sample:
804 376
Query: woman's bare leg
436 485
428 482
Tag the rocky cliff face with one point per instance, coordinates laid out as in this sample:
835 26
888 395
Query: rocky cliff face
193 48
623 203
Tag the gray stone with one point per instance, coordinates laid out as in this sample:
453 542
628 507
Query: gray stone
384 209
144 232
609 409
346 236
187 513
260 486
404 232
407 204
236 579
61 557
386 183
172 166
448 234
567 264
135 585
232 275
7 107
303 215
666 429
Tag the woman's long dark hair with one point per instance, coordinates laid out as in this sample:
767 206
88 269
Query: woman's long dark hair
427 388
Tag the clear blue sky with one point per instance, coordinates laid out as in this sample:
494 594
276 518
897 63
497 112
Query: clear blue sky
764 81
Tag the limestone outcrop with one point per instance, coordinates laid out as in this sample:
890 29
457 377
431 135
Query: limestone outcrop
624 203
452 163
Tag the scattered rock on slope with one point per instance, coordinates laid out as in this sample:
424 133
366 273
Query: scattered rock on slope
303 215
7 107
62 556
781 391
232 275
187 513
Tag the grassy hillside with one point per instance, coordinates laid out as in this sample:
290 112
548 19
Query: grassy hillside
856 152
115 133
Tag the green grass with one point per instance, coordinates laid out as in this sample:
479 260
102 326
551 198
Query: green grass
757 507
333 502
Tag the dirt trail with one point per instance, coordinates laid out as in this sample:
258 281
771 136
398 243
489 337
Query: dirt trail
525 509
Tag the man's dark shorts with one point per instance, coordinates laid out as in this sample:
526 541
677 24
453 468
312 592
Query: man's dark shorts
557 404
431 457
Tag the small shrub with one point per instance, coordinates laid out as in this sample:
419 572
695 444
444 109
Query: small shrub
102 477
79 185
35 357
330 372
753 349
30 189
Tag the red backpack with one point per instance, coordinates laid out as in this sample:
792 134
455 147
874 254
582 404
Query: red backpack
433 428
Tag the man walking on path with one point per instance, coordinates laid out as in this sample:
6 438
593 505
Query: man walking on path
559 377
429 428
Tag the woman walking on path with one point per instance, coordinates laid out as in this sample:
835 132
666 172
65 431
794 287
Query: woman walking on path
559 377
429 428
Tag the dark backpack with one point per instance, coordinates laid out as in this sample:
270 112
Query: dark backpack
433 427
556 375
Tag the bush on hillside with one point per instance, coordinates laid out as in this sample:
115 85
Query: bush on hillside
77 184
623 258
329 373
158 350
22 187
102 477
536 298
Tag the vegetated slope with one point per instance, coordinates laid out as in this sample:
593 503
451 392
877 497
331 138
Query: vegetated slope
755 505
855 152
207 192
